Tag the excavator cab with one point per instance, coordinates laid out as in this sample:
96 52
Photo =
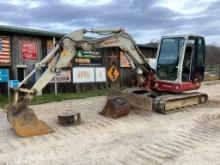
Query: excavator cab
180 63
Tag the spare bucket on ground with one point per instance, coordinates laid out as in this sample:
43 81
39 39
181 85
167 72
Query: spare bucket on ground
115 107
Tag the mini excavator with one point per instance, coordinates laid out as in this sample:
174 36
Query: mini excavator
180 67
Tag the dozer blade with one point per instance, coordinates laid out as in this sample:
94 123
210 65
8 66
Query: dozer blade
25 122
135 101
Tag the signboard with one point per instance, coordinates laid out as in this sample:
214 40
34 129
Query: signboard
13 83
100 74
88 54
29 50
4 75
83 74
89 74
5 57
63 77
113 73
124 63
88 58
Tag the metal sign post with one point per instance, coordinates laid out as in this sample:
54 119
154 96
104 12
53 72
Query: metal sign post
9 94
55 84
4 78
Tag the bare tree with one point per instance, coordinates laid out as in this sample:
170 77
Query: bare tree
212 54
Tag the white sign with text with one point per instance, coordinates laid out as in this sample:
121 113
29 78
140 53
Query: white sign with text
83 74
100 74
89 74
63 77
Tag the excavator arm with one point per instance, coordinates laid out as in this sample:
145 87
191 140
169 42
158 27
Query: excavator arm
22 118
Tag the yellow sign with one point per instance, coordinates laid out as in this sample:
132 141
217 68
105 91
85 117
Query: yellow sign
113 73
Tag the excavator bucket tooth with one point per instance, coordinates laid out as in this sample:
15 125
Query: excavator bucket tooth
25 122
115 107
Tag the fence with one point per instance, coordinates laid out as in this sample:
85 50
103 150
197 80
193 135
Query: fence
212 72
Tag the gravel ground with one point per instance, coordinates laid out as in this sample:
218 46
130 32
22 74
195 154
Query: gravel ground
191 136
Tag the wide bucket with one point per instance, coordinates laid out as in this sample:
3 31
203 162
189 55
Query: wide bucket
115 107
25 122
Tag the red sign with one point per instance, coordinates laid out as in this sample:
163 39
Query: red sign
29 50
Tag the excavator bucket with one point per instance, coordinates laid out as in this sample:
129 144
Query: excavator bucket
115 107
25 122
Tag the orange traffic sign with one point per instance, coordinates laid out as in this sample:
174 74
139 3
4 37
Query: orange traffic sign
113 73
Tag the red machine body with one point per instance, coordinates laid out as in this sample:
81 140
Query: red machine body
176 87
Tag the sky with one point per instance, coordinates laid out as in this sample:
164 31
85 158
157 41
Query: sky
145 20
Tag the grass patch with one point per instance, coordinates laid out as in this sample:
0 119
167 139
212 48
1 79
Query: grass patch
47 98
3 100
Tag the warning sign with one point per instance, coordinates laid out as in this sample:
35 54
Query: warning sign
113 73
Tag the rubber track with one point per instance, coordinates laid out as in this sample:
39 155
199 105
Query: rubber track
159 103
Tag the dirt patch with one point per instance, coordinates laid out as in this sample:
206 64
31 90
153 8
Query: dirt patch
191 136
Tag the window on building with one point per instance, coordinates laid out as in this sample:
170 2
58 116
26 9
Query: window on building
21 72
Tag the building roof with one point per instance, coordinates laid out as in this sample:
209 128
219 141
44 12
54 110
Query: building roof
43 33
27 31
151 45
